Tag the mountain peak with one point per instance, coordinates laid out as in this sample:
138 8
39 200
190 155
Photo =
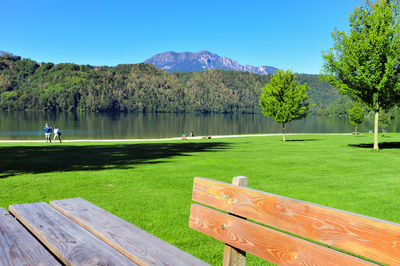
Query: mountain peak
2 53
203 60
205 52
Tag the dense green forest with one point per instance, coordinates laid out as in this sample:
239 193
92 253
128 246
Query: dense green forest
28 85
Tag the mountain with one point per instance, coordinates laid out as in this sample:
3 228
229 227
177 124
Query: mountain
28 85
203 60
2 53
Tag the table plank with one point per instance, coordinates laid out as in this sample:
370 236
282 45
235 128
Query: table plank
72 244
266 243
133 242
18 246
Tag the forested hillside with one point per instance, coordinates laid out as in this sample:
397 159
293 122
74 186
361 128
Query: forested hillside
28 85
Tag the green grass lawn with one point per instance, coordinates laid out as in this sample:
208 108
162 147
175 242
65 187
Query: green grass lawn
150 184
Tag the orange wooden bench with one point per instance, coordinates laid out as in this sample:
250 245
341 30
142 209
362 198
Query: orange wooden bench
77 232
367 237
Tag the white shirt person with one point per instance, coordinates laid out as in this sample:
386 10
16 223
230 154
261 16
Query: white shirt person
57 134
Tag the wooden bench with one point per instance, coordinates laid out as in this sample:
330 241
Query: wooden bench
370 238
77 232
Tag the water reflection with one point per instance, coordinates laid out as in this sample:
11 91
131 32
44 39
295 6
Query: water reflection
29 125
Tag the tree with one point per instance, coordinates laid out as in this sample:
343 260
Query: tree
356 115
365 64
385 119
5 83
339 107
284 99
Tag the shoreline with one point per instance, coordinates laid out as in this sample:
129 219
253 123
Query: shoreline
170 139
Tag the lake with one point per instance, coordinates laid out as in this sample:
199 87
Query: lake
29 125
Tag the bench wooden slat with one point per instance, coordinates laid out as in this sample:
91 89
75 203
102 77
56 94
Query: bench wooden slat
372 238
18 246
72 244
133 242
266 243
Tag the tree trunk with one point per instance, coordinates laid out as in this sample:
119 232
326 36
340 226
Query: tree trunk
376 146
283 132
356 130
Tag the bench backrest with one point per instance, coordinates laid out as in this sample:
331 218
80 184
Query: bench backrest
371 238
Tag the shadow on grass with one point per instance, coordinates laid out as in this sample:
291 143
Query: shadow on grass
45 159
382 146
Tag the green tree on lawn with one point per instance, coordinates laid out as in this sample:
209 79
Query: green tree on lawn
356 115
284 99
385 120
365 64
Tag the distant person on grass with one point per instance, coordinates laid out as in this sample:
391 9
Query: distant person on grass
57 134
47 132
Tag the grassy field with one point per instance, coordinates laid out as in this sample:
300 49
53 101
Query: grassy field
149 184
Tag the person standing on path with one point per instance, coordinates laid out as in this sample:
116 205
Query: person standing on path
57 134
47 132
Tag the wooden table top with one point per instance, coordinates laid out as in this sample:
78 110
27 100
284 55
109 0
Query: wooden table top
77 232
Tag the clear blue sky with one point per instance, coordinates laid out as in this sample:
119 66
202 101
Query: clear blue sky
286 34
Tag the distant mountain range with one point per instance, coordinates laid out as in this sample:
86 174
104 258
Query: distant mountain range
203 60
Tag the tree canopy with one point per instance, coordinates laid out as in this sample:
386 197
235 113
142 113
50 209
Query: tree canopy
385 120
284 99
365 63
356 115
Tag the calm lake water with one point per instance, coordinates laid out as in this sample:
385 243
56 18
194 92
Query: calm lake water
29 125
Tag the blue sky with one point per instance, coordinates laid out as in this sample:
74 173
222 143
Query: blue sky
285 34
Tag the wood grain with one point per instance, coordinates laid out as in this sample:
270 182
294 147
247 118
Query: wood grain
72 244
234 256
18 246
266 243
372 238
135 243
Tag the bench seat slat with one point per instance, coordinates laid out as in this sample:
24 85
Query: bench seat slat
266 243
372 238
18 246
72 244
133 242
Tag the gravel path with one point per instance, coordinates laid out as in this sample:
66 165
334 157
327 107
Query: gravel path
178 138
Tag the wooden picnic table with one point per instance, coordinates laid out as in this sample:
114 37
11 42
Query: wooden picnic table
77 232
